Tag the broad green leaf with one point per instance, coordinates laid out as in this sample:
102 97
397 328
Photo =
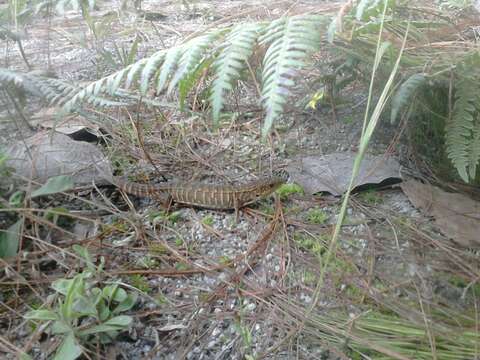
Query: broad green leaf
41 315
59 327
62 285
54 185
117 323
69 349
96 295
108 291
120 321
126 304
114 293
103 310
106 338
9 240
76 287
84 306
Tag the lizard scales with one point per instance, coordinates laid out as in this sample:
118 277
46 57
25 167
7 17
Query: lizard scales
221 197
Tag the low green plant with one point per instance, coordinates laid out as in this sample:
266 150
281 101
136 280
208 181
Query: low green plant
147 262
83 312
10 238
244 331
309 243
286 190
180 266
178 241
170 217
371 197
309 278
208 220
317 216
140 282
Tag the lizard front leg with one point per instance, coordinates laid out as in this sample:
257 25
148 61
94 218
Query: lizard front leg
236 205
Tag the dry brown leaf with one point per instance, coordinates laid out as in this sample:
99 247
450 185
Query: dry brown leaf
76 126
331 173
49 154
456 215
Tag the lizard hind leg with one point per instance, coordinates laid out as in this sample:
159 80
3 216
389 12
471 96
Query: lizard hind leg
236 205
168 203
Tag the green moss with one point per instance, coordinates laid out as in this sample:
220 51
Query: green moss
208 220
147 262
140 282
309 278
160 216
181 266
178 241
287 189
371 197
317 216
309 244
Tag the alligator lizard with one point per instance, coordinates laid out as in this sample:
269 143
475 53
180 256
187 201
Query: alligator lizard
222 197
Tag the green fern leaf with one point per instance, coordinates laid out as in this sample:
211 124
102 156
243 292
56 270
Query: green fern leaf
195 51
134 72
405 93
188 82
474 151
231 61
171 59
8 76
117 79
150 68
291 41
459 130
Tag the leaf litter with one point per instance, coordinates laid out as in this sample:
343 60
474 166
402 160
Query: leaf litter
455 214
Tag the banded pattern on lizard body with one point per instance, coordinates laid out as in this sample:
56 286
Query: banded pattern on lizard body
220 197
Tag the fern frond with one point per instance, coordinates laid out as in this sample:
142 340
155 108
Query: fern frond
188 82
231 61
58 92
151 67
58 5
51 90
134 72
108 84
405 93
192 56
10 77
290 42
459 131
474 150
171 59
